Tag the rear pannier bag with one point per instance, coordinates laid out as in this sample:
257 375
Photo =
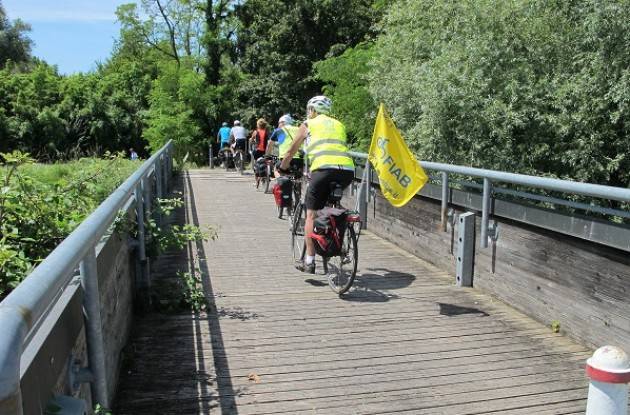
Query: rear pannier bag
260 167
329 228
282 191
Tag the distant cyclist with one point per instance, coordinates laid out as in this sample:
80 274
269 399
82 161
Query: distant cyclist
260 137
238 136
328 159
223 136
283 137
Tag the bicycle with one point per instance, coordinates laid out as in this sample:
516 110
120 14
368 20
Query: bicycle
225 157
295 175
239 160
270 161
340 269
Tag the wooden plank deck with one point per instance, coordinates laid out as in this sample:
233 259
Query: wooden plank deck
404 340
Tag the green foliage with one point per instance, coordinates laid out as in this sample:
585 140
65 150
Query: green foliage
533 87
99 410
14 45
182 293
59 118
41 204
171 236
347 86
193 295
171 116
279 40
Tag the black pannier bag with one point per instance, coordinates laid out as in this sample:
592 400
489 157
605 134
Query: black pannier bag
329 228
260 167
282 191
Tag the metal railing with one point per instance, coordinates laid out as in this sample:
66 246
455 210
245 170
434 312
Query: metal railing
491 178
28 305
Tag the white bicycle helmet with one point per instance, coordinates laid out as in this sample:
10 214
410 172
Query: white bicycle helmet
287 119
320 104
237 122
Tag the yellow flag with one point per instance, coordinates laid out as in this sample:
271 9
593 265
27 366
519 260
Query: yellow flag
399 174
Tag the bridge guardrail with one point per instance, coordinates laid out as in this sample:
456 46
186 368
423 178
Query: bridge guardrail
25 309
492 177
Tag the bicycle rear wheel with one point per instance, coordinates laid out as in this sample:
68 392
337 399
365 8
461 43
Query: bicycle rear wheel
298 247
343 268
239 162
226 161
268 178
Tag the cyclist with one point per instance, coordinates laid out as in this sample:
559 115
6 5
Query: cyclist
238 137
260 137
329 161
223 136
283 137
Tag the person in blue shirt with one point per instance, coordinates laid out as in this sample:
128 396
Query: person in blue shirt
223 136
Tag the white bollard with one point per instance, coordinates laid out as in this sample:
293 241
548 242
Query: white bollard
609 371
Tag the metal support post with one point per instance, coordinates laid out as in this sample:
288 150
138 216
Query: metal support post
465 249
211 157
141 255
444 208
166 173
159 190
485 212
10 353
94 329
139 194
609 371
364 194
148 194
170 159
157 171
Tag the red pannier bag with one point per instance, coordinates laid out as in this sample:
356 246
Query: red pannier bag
329 228
282 191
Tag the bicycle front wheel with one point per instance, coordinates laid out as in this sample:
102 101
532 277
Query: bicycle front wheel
298 247
343 268
297 195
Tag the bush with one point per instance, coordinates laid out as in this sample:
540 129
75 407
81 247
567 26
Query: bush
41 204
534 87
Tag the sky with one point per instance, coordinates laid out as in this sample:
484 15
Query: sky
72 34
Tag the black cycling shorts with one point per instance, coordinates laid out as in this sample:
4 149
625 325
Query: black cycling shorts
258 153
319 187
241 144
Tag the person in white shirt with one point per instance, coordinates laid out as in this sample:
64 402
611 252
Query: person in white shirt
238 137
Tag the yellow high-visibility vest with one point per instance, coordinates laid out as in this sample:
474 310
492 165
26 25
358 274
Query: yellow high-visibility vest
327 147
290 132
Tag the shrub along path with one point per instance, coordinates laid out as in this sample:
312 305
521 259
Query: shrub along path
404 340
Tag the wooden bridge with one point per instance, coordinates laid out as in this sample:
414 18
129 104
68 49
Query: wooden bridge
404 340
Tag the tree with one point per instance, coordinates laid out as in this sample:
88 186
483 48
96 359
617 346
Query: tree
14 45
347 86
279 40
533 87
218 37
172 27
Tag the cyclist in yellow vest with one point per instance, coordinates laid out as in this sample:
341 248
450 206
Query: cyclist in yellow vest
283 138
328 159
